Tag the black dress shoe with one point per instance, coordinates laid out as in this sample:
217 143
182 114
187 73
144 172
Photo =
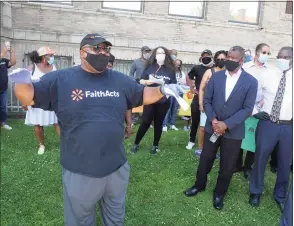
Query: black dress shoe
134 149
218 203
154 150
238 170
254 200
280 205
192 191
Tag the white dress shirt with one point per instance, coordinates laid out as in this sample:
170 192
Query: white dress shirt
231 82
269 83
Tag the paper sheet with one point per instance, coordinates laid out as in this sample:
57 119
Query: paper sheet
180 100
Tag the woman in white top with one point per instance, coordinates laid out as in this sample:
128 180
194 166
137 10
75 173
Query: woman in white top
219 61
171 115
43 60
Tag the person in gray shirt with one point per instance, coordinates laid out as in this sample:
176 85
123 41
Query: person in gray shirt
138 65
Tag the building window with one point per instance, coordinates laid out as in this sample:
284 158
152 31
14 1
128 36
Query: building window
69 2
186 9
244 12
133 6
289 7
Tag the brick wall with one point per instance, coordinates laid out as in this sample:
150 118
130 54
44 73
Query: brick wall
34 25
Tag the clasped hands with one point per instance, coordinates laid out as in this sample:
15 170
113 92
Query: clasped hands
219 127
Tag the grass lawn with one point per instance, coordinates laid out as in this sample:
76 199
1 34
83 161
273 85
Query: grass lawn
31 188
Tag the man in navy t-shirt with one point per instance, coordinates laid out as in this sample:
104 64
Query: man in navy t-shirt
90 102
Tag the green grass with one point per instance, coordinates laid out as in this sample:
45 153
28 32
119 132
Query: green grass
31 188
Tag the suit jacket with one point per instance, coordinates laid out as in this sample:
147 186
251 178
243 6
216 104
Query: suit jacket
236 109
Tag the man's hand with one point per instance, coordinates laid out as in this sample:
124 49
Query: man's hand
262 116
219 127
128 132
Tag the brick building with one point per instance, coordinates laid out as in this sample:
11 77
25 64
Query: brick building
188 27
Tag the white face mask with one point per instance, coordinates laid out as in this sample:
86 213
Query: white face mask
146 56
283 64
263 58
160 58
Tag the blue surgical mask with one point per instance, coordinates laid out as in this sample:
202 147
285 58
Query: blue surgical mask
174 57
263 58
51 60
248 58
283 64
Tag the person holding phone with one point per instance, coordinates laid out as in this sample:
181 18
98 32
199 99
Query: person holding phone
4 65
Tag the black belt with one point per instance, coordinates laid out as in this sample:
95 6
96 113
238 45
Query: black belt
284 122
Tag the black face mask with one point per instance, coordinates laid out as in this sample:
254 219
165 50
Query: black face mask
98 62
231 65
220 63
206 60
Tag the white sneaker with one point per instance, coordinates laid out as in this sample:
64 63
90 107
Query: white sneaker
174 128
190 145
164 129
7 127
41 149
186 128
151 126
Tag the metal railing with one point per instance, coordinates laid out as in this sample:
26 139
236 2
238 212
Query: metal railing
15 108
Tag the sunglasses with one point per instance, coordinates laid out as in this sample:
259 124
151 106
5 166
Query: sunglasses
99 49
266 53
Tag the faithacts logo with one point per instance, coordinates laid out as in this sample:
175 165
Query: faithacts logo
77 95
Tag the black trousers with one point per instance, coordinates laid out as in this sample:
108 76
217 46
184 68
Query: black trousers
249 160
195 113
153 112
229 151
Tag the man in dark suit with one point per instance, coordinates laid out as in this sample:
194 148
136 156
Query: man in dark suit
229 99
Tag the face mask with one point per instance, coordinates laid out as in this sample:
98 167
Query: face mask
51 60
98 62
248 58
206 60
220 63
263 58
160 59
173 57
231 65
146 56
283 64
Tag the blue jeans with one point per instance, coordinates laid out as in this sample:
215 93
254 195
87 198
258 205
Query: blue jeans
171 115
3 103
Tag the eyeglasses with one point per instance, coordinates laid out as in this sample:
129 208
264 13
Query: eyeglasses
266 53
98 48
284 57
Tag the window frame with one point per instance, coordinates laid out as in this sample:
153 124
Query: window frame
47 2
186 16
123 10
248 23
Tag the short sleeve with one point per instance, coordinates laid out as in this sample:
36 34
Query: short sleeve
192 73
45 92
134 93
6 62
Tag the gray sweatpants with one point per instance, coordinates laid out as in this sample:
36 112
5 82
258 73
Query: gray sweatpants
81 194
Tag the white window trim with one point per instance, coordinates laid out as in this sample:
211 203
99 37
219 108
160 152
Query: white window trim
187 16
64 4
103 8
246 23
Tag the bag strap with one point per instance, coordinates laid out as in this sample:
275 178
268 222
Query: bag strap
33 69
212 70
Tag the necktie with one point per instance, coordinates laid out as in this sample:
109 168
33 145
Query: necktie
275 113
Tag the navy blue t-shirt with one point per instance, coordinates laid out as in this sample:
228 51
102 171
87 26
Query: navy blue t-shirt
91 113
4 65
169 77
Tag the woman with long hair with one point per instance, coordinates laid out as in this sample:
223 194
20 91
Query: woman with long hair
159 70
219 63
43 62
171 116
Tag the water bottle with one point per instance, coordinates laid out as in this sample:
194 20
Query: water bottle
214 137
